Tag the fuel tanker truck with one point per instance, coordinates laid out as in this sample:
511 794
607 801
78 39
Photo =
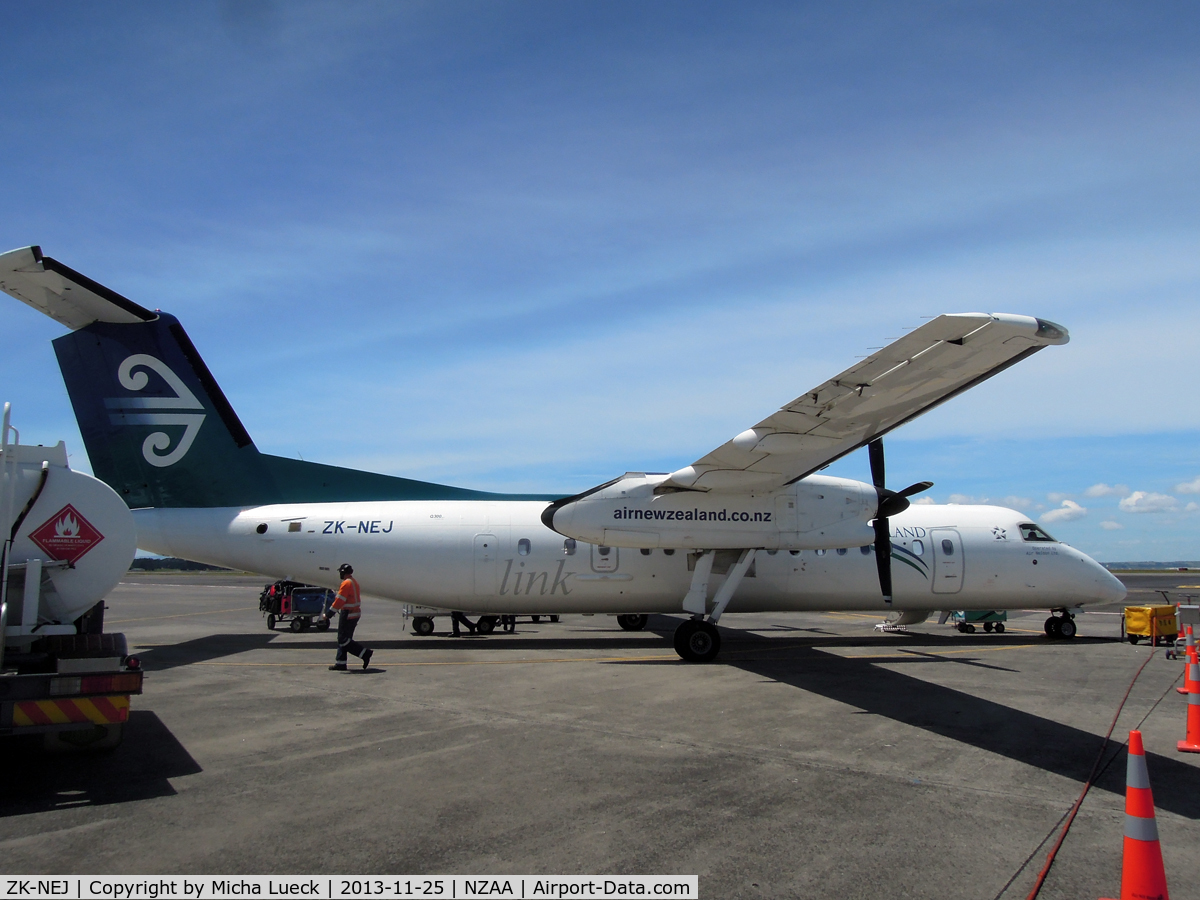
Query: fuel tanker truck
67 540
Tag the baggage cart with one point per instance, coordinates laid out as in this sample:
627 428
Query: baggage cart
989 619
1156 623
423 619
299 605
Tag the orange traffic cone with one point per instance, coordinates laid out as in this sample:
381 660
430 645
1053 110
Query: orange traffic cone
1189 659
1142 873
1191 743
1189 656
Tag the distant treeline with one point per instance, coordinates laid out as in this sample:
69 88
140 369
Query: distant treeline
1150 564
150 564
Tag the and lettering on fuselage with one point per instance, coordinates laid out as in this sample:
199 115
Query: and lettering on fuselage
375 526
908 531
535 578
692 515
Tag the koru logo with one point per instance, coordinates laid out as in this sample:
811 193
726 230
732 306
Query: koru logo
125 410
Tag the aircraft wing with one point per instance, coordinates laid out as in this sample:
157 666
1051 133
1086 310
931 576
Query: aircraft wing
926 367
62 293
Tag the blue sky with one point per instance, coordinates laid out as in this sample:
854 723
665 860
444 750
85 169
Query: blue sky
530 246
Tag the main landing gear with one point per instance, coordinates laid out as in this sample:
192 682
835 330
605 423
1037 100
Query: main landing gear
1060 626
697 640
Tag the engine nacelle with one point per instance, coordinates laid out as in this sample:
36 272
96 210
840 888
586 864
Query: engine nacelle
817 513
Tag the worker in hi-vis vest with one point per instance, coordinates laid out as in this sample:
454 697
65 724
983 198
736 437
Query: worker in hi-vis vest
348 603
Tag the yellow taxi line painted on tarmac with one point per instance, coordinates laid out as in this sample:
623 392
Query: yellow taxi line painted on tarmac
477 662
211 612
904 651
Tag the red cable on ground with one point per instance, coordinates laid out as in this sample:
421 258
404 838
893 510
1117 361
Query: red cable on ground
1087 786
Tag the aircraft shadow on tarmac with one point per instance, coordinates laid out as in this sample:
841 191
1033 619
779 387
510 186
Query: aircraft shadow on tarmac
139 769
1012 733
213 646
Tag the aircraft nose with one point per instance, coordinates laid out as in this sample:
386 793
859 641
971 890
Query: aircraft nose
1108 587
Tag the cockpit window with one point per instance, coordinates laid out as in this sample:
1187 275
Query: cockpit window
1031 532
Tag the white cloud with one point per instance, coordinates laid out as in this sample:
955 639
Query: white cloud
1111 525
1143 502
924 501
1189 487
1192 507
1106 490
961 498
1020 503
1068 512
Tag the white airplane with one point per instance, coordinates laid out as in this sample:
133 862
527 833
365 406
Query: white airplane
749 527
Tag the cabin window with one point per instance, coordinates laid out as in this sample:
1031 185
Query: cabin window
918 547
1031 532
841 551
604 551
821 552
948 548
670 551
772 552
569 547
865 549
262 529
645 551
794 552
523 546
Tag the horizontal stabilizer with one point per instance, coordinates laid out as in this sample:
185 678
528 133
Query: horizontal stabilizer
62 293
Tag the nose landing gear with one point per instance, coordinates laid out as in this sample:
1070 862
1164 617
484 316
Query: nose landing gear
1060 626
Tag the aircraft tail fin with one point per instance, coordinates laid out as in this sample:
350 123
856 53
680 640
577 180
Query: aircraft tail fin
157 427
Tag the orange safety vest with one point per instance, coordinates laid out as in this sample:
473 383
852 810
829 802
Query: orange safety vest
348 599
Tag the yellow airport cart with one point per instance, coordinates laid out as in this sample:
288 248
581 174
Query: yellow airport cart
1157 623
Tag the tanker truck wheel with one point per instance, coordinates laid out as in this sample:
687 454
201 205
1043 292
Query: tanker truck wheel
83 646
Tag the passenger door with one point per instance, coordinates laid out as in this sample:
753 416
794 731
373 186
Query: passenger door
947 560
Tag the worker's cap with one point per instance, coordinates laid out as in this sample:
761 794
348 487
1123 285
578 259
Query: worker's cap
345 569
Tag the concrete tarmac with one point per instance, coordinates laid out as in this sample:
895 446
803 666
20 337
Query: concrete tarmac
815 758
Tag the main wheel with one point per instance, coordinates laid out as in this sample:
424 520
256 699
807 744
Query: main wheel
1054 628
697 642
423 625
271 621
633 622
485 625
1066 628
295 625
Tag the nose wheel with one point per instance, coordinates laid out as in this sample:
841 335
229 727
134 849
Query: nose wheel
697 641
1060 626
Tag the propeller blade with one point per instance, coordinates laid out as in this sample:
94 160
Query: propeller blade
916 488
875 454
883 556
